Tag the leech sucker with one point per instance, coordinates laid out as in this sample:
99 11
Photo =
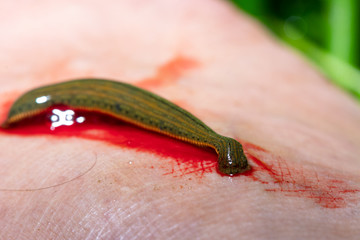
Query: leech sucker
134 105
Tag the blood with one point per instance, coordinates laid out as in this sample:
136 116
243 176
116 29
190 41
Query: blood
169 72
278 176
97 126
326 188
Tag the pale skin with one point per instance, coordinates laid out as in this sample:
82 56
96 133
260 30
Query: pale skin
216 63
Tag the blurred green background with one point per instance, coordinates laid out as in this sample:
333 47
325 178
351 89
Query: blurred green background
325 31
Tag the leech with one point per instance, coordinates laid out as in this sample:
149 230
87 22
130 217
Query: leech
134 105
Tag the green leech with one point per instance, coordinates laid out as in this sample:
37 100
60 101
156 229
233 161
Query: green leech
136 106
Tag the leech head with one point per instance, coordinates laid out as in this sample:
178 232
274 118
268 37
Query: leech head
232 160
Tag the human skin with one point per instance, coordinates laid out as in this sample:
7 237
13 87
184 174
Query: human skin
301 134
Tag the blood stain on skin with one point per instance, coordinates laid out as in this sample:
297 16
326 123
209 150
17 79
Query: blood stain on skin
169 72
329 190
189 159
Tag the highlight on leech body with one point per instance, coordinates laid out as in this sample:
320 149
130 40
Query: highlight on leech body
133 105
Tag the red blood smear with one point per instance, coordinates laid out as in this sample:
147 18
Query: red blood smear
273 172
97 126
169 72
329 190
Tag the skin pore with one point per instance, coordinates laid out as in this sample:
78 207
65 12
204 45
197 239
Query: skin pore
110 180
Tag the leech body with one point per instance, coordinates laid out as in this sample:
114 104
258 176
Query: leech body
134 105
